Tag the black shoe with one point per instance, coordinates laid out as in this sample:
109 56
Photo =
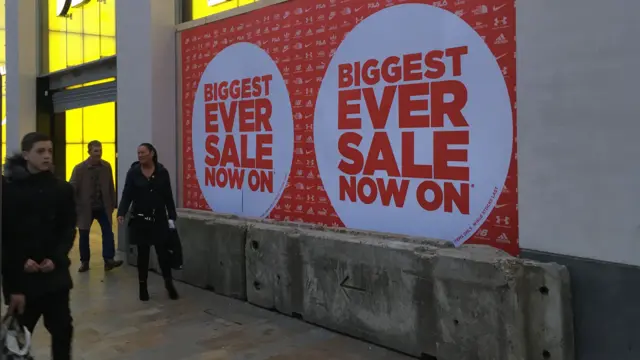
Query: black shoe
112 264
171 290
144 293
84 267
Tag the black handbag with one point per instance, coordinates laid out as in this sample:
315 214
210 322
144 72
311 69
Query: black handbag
174 247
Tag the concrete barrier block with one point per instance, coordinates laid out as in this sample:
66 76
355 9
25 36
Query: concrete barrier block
213 252
228 272
478 307
197 241
274 268
548 311
371 288
473 302
418 296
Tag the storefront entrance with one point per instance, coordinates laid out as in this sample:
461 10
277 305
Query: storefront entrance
74 112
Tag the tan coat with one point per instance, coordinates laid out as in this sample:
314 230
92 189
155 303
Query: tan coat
81 181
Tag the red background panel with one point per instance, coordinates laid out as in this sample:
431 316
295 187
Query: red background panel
301 36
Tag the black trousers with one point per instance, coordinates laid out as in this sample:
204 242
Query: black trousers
144 252
54 309
148 234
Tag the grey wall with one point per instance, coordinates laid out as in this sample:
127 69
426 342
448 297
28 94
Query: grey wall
22 69
578 112
605 301
146 81
579 160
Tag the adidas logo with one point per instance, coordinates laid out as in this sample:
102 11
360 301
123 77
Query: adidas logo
503 239
501 39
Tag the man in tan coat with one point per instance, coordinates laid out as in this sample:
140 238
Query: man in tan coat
95 195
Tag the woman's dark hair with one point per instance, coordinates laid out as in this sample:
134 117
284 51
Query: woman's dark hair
152 149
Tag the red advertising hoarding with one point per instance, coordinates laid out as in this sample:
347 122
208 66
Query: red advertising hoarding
392 116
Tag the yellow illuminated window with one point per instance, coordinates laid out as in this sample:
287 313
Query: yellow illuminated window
108 19
57 50
55 22
97 122
75 21
91 18
75 53
73 126
201 8
86 34
91 48
107 46
75 153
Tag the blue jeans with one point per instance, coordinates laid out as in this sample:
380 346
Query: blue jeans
108 242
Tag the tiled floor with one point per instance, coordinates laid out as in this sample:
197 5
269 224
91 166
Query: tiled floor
110 323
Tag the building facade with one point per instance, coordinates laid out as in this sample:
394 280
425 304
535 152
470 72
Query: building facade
114 70
73 42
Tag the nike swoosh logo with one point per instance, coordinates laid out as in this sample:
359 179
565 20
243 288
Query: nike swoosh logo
498 206
496 8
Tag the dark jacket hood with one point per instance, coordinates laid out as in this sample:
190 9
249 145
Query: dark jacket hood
15 168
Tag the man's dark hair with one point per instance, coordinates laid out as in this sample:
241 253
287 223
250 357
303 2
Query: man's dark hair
93 143
29 140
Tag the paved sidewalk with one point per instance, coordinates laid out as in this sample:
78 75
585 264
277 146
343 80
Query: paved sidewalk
111 323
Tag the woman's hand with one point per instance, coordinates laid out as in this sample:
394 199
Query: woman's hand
120 220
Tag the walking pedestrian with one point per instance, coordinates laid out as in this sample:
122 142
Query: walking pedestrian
38 229
147 190
95 195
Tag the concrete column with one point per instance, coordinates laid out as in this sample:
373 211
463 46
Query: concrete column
146 82
22 69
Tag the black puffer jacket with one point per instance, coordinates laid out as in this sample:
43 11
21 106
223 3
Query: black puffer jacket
38 222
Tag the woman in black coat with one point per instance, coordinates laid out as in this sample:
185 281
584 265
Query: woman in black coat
147 190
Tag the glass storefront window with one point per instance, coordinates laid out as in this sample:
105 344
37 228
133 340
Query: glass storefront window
87 34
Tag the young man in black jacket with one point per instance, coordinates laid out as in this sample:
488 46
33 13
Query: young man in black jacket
38 229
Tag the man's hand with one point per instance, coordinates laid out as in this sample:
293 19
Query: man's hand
31 266
120 220
16 304
47 266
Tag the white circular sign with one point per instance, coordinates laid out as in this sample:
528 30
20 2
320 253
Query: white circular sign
413 125
242 132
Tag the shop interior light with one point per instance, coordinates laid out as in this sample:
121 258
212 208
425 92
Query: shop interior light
217 2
